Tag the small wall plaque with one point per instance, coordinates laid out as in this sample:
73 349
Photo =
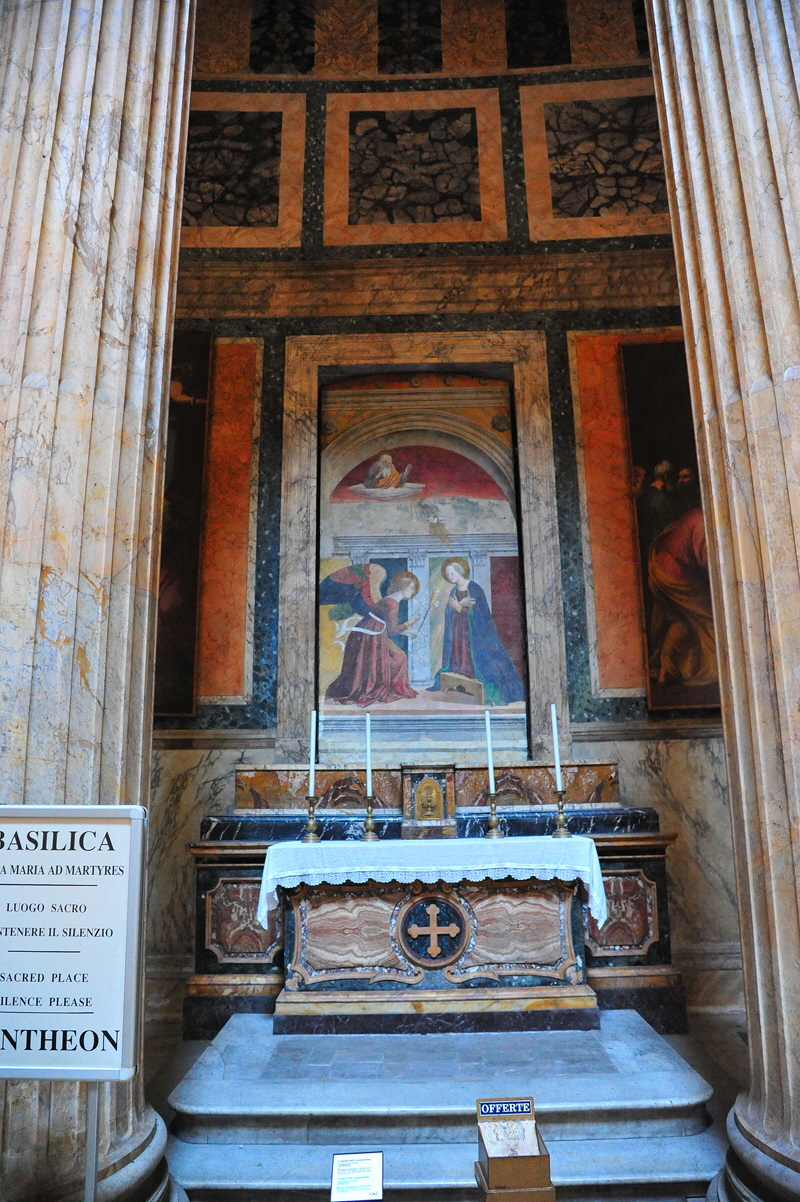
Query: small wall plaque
513 1163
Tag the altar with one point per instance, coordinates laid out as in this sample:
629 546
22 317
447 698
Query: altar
405 936
340 937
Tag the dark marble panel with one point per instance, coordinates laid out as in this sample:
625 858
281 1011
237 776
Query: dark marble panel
537 33
662 1006
640 25
204 1017
605 158
232 168
282 37
437 1024
409 37
274 828
517 241
414 166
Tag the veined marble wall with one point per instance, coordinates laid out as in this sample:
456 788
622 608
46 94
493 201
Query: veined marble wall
686 782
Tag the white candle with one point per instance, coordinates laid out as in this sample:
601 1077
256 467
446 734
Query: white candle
557 756
312 753
489 750
369 756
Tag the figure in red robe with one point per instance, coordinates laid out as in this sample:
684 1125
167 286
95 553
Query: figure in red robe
374 669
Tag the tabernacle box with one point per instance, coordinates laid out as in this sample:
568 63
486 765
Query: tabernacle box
70 941
429 802
513 1163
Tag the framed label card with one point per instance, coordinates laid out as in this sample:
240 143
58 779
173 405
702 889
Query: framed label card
357 1177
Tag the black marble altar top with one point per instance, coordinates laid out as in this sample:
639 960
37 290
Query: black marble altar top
271 827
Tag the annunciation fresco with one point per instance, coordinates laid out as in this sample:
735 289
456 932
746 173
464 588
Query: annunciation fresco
673 552
419 586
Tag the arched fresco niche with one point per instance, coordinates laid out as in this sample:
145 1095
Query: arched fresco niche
421 614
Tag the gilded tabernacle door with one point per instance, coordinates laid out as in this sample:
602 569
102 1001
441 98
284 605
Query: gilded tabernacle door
421 614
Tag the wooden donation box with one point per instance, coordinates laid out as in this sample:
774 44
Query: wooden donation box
451 934
513 1163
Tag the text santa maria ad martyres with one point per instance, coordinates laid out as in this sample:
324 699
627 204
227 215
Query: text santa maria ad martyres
65 924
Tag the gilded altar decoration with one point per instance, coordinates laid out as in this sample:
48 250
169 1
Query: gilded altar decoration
429 802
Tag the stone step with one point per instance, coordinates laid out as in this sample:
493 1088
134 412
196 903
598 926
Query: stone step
663 1169
251 1086
259 1116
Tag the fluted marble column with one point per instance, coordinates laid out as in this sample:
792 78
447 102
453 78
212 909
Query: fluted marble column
92 116
727 72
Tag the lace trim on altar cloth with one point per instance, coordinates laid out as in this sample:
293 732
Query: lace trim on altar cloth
537 869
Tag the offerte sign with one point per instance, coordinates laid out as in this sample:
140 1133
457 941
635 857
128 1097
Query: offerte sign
70 940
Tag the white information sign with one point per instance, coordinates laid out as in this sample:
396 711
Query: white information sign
357 1177
70 941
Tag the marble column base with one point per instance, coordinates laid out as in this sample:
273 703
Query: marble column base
749 1175
146 1177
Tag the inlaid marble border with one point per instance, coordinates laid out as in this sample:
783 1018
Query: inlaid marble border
290 182
619 337
491 227
542 224
525 353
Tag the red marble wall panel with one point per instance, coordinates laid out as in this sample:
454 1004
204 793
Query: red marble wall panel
609 504
346 38
601 31
632 923
232 932
473 36
225 650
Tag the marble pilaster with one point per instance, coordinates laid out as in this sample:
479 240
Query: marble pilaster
726 73
92 102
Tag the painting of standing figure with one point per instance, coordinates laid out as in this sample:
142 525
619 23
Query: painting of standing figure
472 647
673 552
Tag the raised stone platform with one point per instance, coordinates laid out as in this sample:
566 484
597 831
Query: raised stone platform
259 1116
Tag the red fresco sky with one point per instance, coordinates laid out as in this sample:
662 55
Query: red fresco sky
444 474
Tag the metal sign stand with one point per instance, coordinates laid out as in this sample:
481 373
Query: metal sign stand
92 1135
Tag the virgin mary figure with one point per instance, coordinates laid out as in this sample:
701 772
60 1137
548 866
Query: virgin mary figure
374 669
472 646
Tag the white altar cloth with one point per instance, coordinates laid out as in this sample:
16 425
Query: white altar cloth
521 857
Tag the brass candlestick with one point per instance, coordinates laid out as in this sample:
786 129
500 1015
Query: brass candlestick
369 835
311 835
493 825
561 831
